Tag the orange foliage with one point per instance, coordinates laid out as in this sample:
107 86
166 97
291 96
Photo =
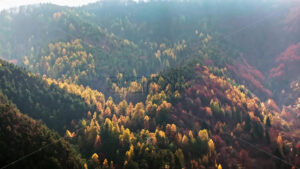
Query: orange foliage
288 63
208 111
253 77
97 142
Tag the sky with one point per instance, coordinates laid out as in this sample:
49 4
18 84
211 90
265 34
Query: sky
6 4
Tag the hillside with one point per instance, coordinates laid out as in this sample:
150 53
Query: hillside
88 44
21 135
39 100
179 116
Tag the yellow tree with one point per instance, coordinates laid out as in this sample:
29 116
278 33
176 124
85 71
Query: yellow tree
146 122
139 111
211 146
203 135
97 142
105 164
185 140
95 158
107 112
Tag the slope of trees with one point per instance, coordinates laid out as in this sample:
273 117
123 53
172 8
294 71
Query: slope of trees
190 118
21 135
192 114
36 98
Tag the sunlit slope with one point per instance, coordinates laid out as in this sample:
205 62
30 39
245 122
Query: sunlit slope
191 112
203 97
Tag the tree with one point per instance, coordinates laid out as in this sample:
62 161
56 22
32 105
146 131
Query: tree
97 143
185 140
107 112
146 122
211 146
138 111
95 158
105 164
203 135
179 154
122 107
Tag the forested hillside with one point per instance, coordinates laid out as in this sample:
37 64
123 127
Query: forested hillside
36 98
21 135
156 84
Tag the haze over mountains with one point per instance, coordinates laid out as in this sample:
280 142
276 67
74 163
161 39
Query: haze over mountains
157 84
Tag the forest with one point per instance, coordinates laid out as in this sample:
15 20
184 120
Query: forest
157 84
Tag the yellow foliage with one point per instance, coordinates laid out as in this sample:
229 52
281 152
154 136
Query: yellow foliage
162 45
191 135
162 134
95 157
164 105
83 123
211 146
114 119
146 118
129 153
105 163
203 135
170 52
179 137
146 122
154 87
85 166
177 94
107 111
97 142
126 42
130 109
94 115
185 139
173 128
69 134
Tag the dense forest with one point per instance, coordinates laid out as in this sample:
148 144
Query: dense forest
152 84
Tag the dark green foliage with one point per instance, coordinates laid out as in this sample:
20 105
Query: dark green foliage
131 165
21 135
36 98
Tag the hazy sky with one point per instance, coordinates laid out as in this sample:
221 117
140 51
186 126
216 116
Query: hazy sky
5 4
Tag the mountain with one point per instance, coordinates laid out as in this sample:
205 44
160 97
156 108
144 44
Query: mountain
156 84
